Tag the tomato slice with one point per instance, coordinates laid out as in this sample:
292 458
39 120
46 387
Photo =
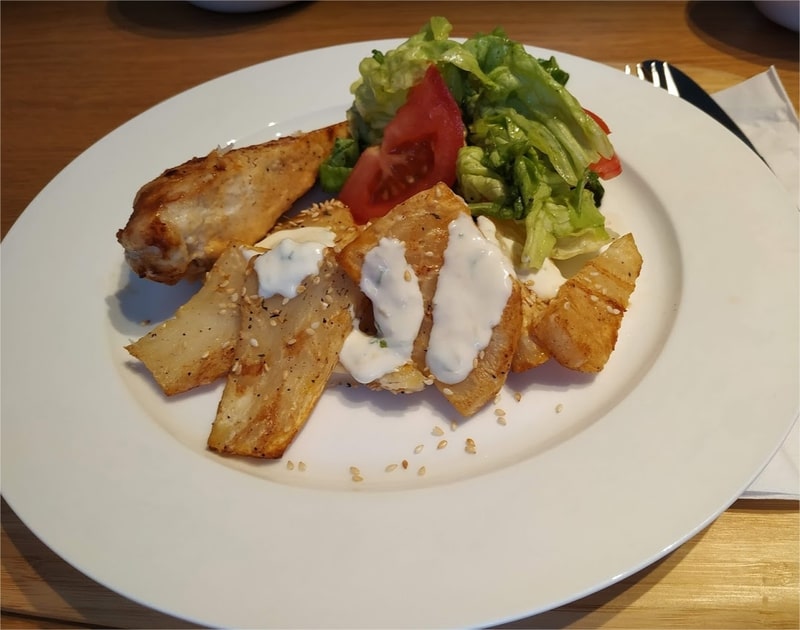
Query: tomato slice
419 149
606 168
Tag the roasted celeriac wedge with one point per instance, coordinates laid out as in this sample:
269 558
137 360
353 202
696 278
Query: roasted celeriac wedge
580 326
196 346
286 351
421 224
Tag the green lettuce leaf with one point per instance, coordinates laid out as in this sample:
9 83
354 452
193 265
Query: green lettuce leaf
529 145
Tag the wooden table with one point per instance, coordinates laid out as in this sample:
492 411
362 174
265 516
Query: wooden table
71 73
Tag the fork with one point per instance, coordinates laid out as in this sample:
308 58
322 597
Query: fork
662 75
648 71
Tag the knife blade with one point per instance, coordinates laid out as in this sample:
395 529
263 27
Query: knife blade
691 92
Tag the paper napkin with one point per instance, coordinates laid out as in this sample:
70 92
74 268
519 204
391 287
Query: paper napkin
763 111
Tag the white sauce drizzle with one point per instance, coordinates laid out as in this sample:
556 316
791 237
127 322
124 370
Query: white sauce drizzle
474 285
294 255
391 284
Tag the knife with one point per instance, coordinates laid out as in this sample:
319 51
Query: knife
691 92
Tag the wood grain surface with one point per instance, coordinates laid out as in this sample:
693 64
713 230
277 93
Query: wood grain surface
73 72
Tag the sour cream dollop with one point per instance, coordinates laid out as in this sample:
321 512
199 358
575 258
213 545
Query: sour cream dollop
473 288
293 256
393 288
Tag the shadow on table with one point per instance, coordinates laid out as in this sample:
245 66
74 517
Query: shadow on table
182 19
739 29
60 581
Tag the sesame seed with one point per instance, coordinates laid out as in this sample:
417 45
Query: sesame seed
421 471
437 430
407 275
290 465
310 331
517 396
224 283
285 301
272 322
405 464
301 466
234 297
418 448
391 467
502 420
566 306
499 412
205 355
291 341
470 447
354 470
441 445
357 478
453 425
559 408
254 342
447 391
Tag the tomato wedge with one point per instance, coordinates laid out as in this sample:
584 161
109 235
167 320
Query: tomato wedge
606 168
419 149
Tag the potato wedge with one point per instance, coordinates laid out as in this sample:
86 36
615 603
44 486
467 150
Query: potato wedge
529 354
285 354
286 349
580 326
422 223
196 346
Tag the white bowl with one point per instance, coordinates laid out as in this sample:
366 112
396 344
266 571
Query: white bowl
239 6
783 12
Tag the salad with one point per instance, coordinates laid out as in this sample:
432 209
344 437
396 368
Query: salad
490 120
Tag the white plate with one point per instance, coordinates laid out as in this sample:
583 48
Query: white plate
697 397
